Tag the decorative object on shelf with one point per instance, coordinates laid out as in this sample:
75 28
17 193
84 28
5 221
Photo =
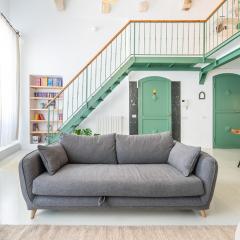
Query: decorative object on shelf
143 6
36 139
83 132
187 4
202 95
60 4
42 104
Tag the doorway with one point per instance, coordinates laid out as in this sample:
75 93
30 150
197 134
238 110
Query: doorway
154 102
226 110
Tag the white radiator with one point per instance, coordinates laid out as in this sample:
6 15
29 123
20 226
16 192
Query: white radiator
110 124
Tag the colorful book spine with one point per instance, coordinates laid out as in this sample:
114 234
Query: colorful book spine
60 82
57 82
50 82
44 81
37 81
54 81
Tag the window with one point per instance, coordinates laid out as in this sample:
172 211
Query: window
9 84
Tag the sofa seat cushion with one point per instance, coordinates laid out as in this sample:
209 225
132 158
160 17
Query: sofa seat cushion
127 180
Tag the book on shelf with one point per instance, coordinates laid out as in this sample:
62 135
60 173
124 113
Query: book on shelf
35 127
52 104
58 82
37 81
50 82
45 94
44 81
39 116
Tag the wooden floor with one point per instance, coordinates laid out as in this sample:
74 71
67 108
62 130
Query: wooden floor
117 233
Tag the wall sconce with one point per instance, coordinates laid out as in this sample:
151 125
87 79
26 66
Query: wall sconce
202 95
154 94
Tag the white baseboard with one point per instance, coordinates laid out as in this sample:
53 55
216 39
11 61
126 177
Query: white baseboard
8 150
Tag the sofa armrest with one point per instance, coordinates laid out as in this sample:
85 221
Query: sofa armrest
207 170
30 167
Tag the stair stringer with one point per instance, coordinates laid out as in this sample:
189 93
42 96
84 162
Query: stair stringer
94 101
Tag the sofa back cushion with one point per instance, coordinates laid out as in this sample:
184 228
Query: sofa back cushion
143 149
184 158
90 150
53 156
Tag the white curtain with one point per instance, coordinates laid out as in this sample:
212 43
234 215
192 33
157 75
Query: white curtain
9 84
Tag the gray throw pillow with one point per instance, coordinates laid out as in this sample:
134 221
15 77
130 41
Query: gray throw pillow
144 149
53 156
184 158
90 149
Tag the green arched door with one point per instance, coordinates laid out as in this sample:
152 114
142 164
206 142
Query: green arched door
226 110
154 104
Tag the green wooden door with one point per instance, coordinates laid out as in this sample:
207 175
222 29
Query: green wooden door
226 110
154 102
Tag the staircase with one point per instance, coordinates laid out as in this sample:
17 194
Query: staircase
150 45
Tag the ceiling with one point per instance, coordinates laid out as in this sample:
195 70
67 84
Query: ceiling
127 9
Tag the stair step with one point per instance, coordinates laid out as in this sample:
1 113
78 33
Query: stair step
117 83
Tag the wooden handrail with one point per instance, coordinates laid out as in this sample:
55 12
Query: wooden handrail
167 21
215 9
89 62
119 32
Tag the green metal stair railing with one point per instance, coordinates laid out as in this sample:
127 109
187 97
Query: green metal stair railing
145 44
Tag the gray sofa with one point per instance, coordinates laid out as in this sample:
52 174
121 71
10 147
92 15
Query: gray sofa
118 171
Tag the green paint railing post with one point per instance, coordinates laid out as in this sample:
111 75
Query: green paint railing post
87 87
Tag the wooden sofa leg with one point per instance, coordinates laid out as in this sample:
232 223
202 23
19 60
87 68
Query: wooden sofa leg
33 212
203 213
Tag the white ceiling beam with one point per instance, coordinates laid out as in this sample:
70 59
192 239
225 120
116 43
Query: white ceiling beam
143 6
187 4
106 7
60 4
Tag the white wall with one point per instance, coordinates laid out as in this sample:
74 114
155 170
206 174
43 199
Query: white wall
59 43
196 121
4 7
116 104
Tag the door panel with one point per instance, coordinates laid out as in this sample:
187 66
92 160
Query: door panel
154 105
224 123
155 126
226 110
